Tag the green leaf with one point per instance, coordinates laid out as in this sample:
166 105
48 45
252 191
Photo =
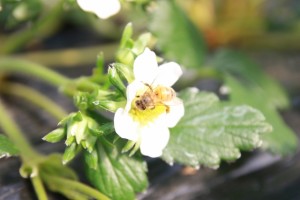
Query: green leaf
177 37
7 148
282 139
118 175
238 64
211 131
92 159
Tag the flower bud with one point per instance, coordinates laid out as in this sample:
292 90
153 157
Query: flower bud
115 80
125 56
124 71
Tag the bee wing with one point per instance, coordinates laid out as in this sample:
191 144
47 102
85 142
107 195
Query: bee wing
174 102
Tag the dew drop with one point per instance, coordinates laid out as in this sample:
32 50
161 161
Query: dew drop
194 90
215 167
96 103
197 167
224 90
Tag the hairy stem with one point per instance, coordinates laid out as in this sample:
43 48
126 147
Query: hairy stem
70 57
39 188
14 133
63 183
33 69
67 85
34 97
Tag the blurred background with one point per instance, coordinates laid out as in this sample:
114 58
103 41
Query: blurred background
62 36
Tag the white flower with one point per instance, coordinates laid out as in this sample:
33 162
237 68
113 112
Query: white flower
149 127
102 8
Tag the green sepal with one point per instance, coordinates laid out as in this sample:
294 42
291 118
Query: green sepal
141 43
70 140
108 105
125 56
129 145
89 142
55 135
70 152
81 101
126 37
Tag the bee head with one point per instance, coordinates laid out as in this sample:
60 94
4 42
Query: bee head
139 104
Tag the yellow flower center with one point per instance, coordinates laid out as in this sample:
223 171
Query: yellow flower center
147 115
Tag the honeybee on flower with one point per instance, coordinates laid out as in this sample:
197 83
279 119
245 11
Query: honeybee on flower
152 106
153 97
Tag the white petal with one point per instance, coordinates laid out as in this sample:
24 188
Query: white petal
131 92
124 125
145 67
175 113
153 140
168 74
102 8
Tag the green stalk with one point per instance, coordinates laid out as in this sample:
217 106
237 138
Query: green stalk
70 57
39 188
29 68
68 86
34 97
14 133
63 183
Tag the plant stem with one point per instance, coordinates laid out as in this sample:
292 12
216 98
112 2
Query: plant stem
34 97
29 68
77 186
70 57
39 188
67 85
14 133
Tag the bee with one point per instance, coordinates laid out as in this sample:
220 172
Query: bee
153 97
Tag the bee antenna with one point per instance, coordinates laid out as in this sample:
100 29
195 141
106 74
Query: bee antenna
149 86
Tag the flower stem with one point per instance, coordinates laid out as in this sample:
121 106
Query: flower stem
35 97
76 186
67 85
70 57
14 133
39 188
29 68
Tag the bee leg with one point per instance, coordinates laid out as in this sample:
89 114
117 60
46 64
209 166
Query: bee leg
152 107
167 109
